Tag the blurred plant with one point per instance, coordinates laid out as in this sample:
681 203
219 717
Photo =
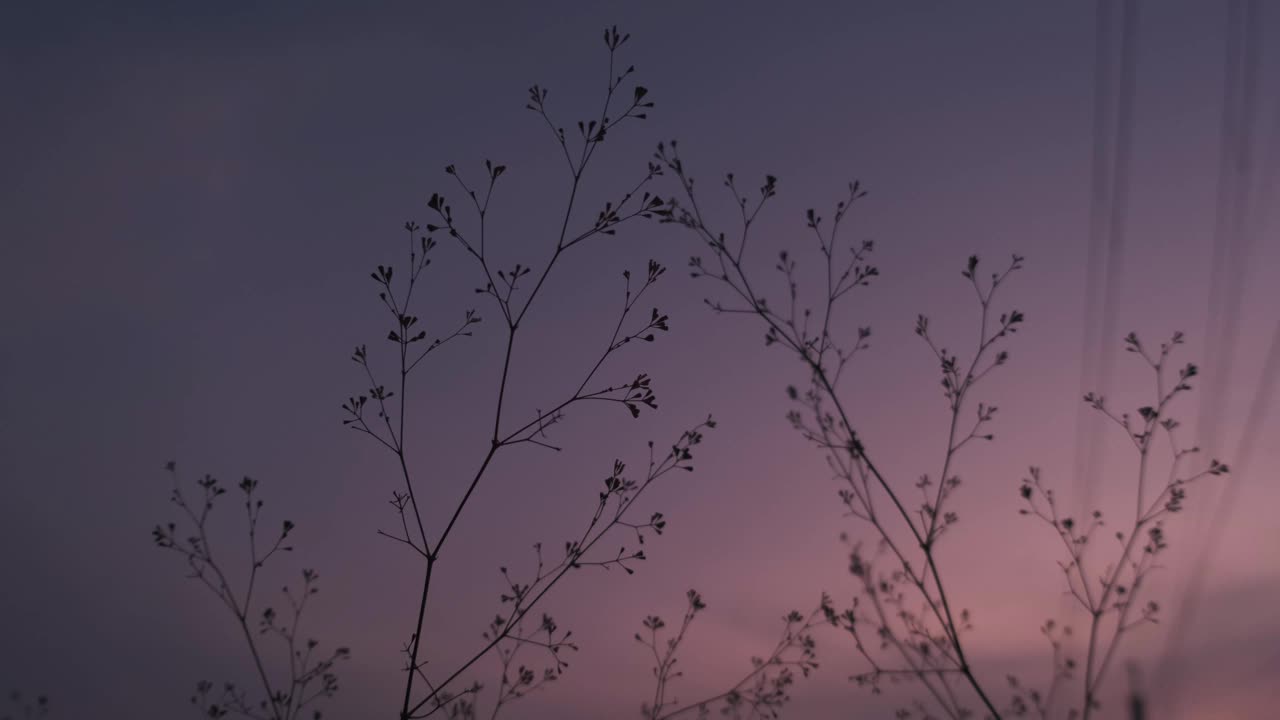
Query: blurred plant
1112 601
381 412
928 643
761 693
23 708
904 608
310 676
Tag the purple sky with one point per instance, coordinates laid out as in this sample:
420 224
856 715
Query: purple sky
191 203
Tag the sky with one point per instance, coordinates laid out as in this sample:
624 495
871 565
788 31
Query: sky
192 199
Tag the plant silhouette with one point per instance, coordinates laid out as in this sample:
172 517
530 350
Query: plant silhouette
901 570
310 676
905 622
380 412
765 689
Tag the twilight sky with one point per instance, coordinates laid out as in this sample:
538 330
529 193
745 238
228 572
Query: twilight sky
191 202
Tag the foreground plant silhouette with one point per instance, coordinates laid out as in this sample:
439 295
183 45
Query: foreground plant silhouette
902 571
381 412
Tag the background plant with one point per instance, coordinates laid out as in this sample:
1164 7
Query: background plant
21 707
1113 599
904 609
765 689
281 690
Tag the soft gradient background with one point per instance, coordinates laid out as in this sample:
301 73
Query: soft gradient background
191 199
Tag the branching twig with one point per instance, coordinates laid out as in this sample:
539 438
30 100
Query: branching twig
309 677
762 692
929 640
1111 599
381 412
